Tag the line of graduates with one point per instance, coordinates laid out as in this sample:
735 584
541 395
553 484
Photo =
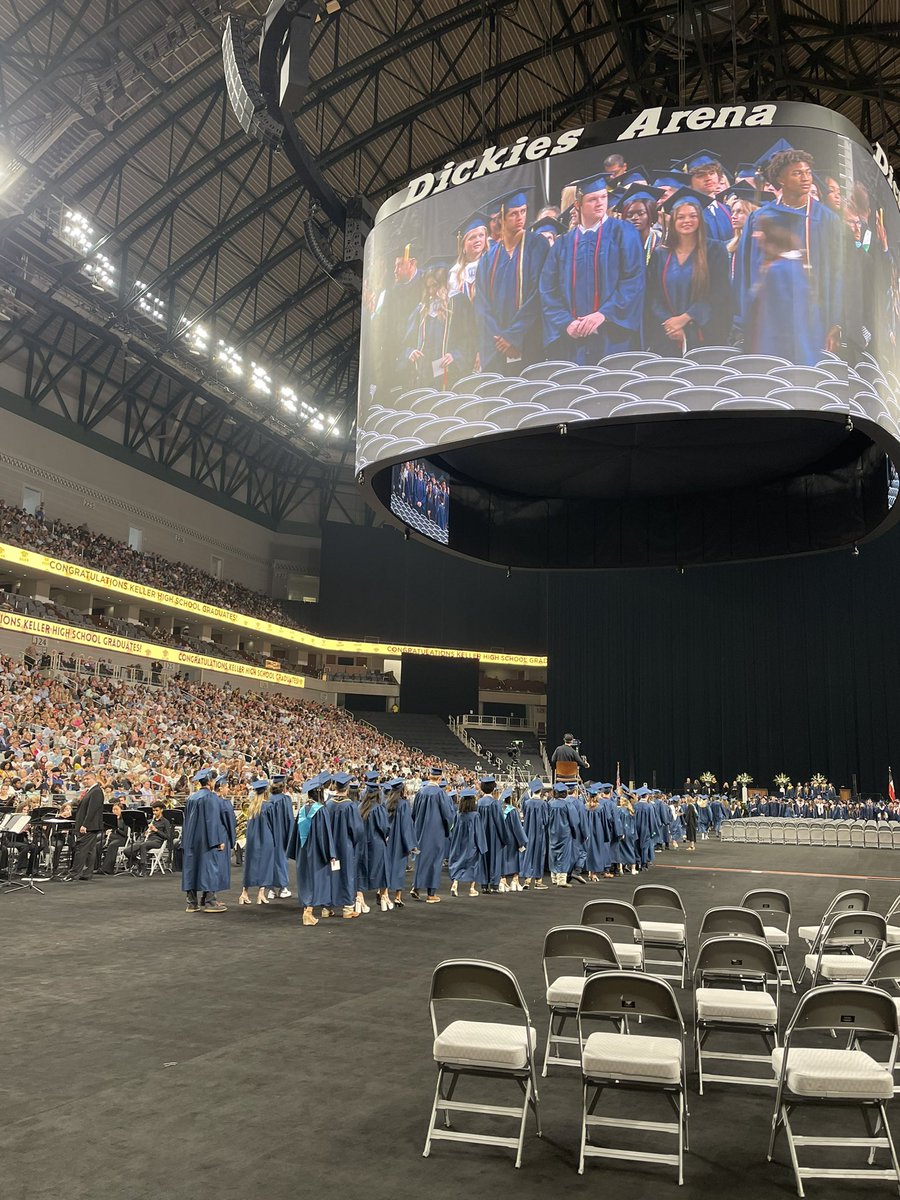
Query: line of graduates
775 260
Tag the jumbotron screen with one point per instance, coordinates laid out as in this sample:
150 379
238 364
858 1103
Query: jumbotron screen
420 497
664 339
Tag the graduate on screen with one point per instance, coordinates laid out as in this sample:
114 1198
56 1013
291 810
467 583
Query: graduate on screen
688 287
507 301
778 315
592 286
440 337
819 235
707 176
471 244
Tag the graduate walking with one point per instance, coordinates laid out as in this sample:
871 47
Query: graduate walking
467 845
432 818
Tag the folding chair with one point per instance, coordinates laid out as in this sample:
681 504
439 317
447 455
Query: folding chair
849 1078
886 970
765 830
752 830
620 922
726 833
817 833
804 831
893 931
489 1049
834 958
831 833
747 967
792 831
593 951
157 856
857 833
843 833
870 835
731 922
850 901
774 907
738 829
885 837
631 1062
660 934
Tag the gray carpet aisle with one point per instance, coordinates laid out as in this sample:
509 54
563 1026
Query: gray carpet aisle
148 1052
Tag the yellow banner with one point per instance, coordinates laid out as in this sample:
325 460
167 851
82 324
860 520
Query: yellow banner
96 639
74 573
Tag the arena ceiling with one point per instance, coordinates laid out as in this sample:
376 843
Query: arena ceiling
114 119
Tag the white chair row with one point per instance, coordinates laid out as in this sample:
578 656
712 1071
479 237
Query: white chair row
734 975
808 831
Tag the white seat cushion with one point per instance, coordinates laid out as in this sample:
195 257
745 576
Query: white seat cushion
893 935
628 955
566 989
834 1073
839 966
483 1044
663 931
729 1004
809 933
633 1056
776 936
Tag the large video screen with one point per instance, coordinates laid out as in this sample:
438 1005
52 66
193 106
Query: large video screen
420 497
722 261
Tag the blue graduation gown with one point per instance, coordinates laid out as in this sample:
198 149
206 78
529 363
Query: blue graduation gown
677 830
346 833
625 849
313 857
514 838
703 816
373 860
663 820
669 284
609 280
598 852
830 259
260 850
535 816
436 336
718 223
432 818
561 832
206 868
401 840
580 825
779 319
491 816
467 848
645 830
507 302
717 814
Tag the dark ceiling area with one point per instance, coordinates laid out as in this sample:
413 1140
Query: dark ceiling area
156 285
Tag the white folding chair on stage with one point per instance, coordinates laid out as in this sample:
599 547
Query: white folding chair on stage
738 829
653 904
732 980
849 901
843 833
857 833
487 1049
726 833
765 830
620 922
846 948
751 830
729 921
885 837
774 907
804 831
792 831
779 832
892 916
870 835
814 1076
831 838
817 833
626 1061
592 951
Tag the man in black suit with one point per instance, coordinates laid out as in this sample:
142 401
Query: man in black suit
88 827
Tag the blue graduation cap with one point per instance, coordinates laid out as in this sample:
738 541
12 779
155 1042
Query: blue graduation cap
203 775
605 787
535 785
341 778
634 175
560 789
435 772
517 198
548 225
397 781
259 785
466 792
639 191
742 191
672 179
641 791
438 262
475 220
593 789
775 148
745 171
685 196
371 777
279 779
700 160
316 782
220 779
487 779
505 795
599 182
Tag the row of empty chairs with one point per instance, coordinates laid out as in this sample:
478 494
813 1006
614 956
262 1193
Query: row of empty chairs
808 831
605 1009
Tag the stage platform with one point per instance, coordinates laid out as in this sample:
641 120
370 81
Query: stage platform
151 1053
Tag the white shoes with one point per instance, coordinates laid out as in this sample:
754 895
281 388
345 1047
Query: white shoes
285 893
384 903
270 895
504 886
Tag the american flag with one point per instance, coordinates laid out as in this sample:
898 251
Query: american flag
892 796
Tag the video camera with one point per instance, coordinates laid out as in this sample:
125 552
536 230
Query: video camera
514 749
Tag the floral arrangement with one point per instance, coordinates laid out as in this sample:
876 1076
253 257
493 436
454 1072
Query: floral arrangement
708 778
818 780
783 780
743 778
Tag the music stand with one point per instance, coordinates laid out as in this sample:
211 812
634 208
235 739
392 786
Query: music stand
11 825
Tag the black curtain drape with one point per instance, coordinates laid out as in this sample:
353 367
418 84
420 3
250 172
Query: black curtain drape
760 667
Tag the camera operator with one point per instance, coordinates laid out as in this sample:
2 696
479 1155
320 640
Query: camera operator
567 761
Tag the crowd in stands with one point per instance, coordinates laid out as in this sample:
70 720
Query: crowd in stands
149 741
78 544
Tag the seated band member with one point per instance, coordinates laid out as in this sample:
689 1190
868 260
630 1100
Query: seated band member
158 833
116 839
592 285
